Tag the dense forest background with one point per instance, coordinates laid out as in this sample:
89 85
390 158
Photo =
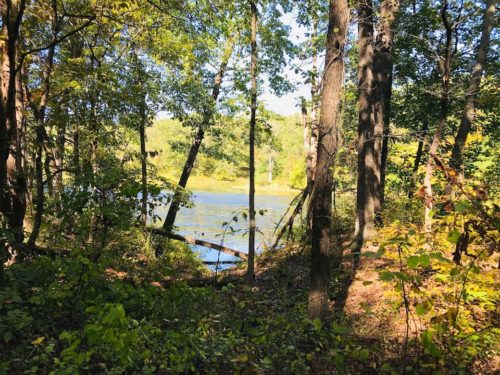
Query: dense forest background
387 259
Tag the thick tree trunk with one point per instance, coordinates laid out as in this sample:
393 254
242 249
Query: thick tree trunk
321 197
253 114
195 146
12 179
382 71
469 112
368 165
444 66
418 156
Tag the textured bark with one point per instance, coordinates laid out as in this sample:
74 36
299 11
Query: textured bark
418 156
382 70
469 111
12 179
444 66
253 113
321 198
200 134
368 160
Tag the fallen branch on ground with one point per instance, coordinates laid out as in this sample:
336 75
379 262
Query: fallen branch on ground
194 241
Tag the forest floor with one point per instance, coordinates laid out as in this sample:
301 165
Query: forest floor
369 311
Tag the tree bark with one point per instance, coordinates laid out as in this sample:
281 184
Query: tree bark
12 179
382 71
418 156
368 164
195 146
469 112
444 67
253 113
321 197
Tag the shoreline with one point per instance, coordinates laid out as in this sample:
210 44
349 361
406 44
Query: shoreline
237 186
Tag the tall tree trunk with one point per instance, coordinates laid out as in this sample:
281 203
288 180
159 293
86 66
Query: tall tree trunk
382 71
195 146
469 112
12 179
313 140
39 114
253 113
321 197
144 169
444 66
368 166
418 156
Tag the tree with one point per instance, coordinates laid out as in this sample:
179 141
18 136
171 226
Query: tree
445 70
321 199
456 161
200 134
253 120
368 160
382 72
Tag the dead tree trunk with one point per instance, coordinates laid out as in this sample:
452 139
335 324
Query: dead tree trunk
321 198
469 112
195 146
253 119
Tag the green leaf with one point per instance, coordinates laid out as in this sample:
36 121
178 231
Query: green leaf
421 309
462 206
365 283
364 354
429 346
425 260
317 324
453 236
413 261
386 276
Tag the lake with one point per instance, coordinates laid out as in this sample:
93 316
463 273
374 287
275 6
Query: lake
211 209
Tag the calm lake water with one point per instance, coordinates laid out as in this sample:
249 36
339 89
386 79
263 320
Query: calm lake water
211 209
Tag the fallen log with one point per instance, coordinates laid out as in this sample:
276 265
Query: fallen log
214 262
194 241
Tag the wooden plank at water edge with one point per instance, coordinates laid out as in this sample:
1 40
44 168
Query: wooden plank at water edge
194 241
